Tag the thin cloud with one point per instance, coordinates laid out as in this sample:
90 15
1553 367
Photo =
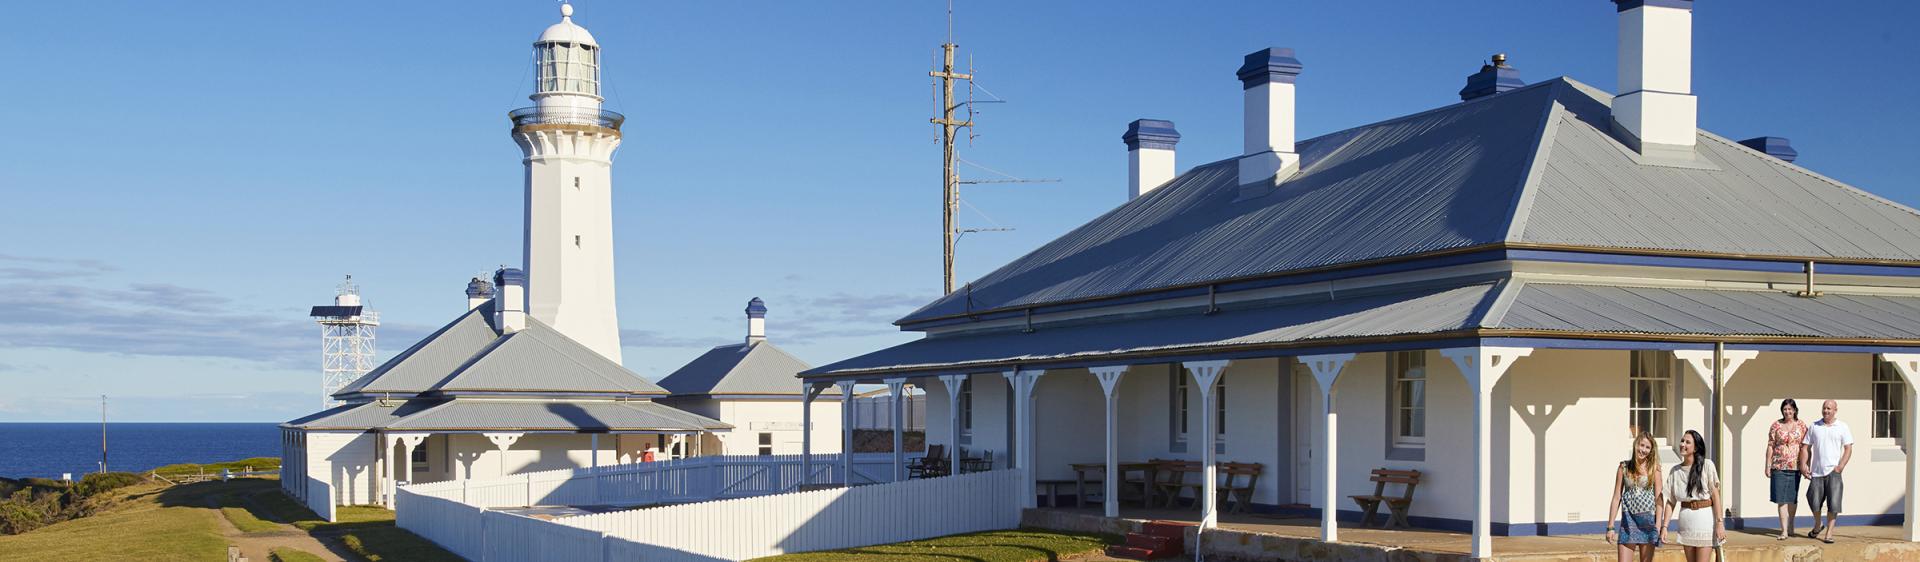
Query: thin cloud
651 338
25 268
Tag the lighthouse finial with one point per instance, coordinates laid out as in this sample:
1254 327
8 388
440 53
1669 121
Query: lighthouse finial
566 10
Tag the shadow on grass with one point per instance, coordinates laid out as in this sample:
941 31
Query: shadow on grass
1023 545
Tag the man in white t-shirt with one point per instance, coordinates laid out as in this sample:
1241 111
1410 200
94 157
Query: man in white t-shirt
1828 447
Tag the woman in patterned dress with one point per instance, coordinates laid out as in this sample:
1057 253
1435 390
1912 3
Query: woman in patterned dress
1637 509
1783 464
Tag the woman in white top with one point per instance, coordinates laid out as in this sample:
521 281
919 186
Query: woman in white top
1694 486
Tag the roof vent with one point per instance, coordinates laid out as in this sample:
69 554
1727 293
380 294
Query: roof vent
1493 78
756 320
1776 147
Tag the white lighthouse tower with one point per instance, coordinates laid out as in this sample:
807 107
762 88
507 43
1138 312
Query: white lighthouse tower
568 143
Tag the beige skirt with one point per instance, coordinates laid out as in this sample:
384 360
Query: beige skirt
1696 527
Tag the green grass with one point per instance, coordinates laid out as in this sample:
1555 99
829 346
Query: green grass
292 555
142 528
284 554
256 463
1022 545
246 522
349 517
393 544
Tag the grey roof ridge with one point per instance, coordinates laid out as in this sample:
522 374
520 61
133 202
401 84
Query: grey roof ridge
636 376
1855 191
1607 99
472 360
1504 293
1542 152
360 383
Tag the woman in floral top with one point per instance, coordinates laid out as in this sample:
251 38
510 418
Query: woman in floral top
1783 463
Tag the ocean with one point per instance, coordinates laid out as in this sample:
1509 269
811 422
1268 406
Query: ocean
44 450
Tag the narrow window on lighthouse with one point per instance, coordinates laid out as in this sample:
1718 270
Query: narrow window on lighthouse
576 182
576 240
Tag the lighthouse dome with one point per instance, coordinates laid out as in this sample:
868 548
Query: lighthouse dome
566 31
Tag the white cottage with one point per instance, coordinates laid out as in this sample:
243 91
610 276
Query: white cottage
749 386
529 378
1493 292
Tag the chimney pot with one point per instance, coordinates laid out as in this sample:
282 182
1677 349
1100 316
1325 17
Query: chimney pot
510 304
756 320
1492 79
1777 147
1656 111
1150 154
1266 80
479 291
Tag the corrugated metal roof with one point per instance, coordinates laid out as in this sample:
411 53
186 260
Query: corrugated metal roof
1437 180
469 354
434 357
1647 310
757 368
366 415
1446 179
1593 193
1422 311
541 359
635 415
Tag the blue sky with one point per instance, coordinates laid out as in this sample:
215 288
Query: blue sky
181 180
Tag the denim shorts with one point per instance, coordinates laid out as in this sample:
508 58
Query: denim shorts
1786 487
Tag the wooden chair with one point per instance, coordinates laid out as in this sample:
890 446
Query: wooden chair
1236 484
934 464
1173 480
1398 506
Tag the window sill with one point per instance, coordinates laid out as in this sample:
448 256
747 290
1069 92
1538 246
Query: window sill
1406 453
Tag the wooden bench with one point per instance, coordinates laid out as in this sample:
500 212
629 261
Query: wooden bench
1369 505
1236 484
1173 480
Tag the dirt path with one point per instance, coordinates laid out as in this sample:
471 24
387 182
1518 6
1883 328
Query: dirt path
257 546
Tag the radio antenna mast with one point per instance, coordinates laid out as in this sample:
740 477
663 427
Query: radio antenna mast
950 125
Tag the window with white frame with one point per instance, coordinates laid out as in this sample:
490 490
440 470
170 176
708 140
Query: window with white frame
966 409
1220 408
1409 370
766 444
1650 395
419 456
1889 401
1177 405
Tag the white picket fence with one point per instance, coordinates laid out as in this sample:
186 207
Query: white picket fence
320 498
456 515
675 481
743 528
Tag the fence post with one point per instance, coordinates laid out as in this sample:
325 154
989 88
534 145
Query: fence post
529 489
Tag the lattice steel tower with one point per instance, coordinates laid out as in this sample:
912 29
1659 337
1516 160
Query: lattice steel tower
346 340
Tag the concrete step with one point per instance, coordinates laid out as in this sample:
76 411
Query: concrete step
1150 542
1137 553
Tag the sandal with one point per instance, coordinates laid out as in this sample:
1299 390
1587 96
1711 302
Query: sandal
1815 533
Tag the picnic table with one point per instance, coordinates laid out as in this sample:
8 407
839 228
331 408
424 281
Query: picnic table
1147 470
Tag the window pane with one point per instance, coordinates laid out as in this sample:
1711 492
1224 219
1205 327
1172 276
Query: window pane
1896 424
1419 426
1879 424
1896 397
1406 422
1417 395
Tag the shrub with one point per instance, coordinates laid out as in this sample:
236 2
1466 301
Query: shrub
101 482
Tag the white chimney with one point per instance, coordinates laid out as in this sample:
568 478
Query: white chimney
479 291
1656 109
1267 79
510 303
1149 155
756 321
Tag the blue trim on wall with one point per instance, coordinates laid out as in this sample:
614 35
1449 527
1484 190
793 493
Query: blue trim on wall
1503 529
1558 256
1624 5
1268 65
1150 133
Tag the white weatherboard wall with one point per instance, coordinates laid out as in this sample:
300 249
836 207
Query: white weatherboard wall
346 462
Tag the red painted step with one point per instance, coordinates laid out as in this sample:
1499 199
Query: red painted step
1155 540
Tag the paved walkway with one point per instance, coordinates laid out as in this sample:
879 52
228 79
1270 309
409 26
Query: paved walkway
1267 537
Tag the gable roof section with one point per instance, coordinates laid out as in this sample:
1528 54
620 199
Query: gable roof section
1535 166
756 368
428 362
540 359
1440 180
1592 193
